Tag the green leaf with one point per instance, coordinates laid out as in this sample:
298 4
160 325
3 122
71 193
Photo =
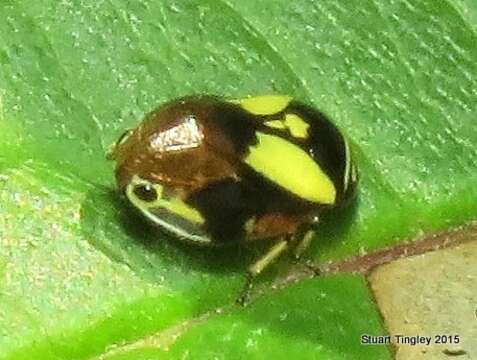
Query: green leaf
79 273
281 326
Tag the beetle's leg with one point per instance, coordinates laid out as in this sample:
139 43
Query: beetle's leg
271 255
244 295
303 244
256 268
303 238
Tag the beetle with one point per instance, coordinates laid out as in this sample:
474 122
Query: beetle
214 172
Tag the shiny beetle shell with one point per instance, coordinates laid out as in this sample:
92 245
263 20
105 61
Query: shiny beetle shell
213 171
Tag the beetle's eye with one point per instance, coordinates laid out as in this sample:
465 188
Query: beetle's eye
145 192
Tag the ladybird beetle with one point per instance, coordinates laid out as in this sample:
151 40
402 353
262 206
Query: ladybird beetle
215 172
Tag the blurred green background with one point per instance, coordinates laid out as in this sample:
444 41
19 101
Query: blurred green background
79 275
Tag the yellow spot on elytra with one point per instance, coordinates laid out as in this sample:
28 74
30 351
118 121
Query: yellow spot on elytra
298 127
265 105
277 124
347 165
354 174
292 168
295 125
